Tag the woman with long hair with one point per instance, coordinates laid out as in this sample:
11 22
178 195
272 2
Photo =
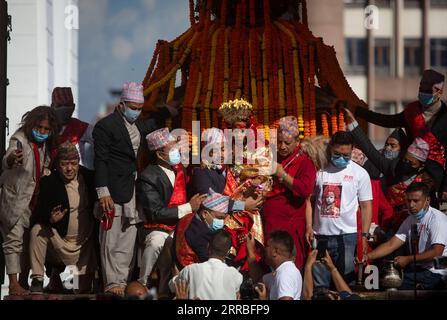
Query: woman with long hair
27 159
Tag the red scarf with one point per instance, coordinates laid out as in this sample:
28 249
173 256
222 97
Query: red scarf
289 168
230 185
178 198
418 128
74 131
185 255
36 152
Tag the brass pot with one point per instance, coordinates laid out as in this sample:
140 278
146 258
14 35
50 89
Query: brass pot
391 277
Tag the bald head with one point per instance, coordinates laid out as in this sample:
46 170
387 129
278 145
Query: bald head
135 289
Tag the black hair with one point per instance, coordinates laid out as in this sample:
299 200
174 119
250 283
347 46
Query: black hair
220 243
342 138
419 186
284 239
32 119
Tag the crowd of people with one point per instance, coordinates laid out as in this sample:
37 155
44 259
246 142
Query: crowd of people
74 194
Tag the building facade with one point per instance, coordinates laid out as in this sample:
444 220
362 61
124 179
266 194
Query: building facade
384 50
42 54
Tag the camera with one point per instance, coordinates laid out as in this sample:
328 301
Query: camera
321 247
247 290
440 262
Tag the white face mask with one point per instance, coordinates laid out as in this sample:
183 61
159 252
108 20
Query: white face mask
130 114
174 157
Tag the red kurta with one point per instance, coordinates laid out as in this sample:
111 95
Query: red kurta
285 209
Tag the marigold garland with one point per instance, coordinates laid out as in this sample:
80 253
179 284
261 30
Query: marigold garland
271 63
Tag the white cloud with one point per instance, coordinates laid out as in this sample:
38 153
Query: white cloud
122 48
124 18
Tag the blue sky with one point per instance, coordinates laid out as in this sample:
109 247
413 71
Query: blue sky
116 42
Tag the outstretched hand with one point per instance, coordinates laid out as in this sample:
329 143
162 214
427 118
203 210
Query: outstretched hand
349 116
181 289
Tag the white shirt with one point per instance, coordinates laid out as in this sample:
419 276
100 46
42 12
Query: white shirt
337 195
286 281
210 280
432 230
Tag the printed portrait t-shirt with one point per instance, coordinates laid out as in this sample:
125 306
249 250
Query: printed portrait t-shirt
337 195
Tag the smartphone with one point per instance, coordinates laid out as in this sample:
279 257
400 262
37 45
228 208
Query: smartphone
19 149
321 247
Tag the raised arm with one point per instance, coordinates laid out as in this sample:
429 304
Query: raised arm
384 120
385 249
384 165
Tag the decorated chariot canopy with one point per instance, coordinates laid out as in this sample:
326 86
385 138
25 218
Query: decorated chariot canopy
258 50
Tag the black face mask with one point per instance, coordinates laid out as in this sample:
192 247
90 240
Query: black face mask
63 114
405 169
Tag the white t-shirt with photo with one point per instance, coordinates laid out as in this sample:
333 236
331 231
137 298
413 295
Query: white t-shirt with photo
337 195
432 230
285 281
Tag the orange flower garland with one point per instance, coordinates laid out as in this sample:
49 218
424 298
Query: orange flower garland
334 125
271 63
324 125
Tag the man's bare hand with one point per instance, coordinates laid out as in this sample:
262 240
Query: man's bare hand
251 204
57 215
327 261
349 116
262 291
15 158
196 201
106 203
311 259
181 289
309 235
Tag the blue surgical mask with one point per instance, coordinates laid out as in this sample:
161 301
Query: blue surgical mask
174 157
39 137
339 161
131 115
390 154
421 214
426 99
217 224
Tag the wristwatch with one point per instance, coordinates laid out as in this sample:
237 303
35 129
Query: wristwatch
367 235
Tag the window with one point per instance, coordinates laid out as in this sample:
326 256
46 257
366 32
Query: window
413 57
438 3
438 53
383 3
382 53
413 3
364 3
356 3
356 55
